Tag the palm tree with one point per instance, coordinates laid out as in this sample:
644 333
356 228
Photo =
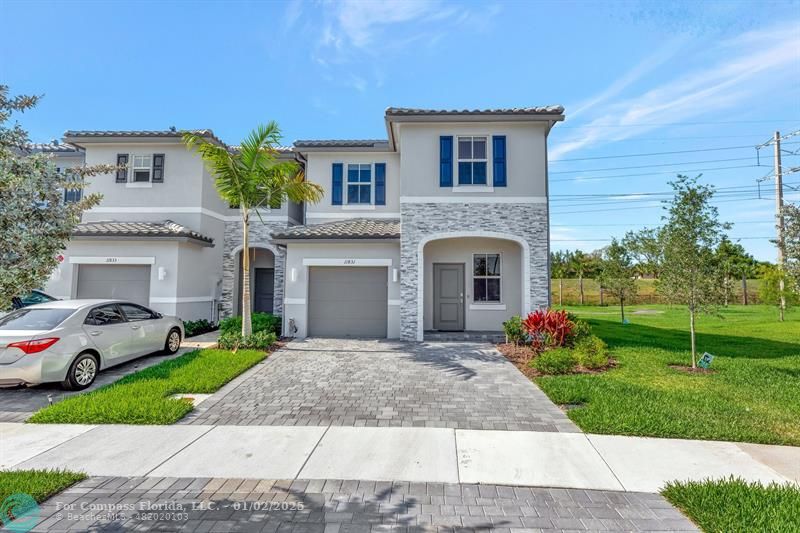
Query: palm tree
250 177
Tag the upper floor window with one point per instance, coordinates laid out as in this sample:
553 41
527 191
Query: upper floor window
142 168
486 277
359 184
472 160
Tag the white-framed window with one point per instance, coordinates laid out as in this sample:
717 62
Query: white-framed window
142 169
472 160
486 277
359 184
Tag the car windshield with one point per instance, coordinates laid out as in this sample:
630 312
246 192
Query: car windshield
34 319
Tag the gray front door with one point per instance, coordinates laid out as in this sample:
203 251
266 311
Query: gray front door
264 290
347 301
448 296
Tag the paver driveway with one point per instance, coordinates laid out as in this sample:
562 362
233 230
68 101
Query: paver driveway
383 383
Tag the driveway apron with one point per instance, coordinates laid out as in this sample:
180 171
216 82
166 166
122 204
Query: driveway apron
374 383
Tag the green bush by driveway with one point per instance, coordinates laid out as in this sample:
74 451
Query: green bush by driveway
750 396
735 506
144 397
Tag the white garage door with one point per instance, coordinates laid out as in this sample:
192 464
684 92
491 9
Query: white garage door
347 302
123 282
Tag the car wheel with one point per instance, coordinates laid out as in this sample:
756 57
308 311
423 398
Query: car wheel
173 342
81 373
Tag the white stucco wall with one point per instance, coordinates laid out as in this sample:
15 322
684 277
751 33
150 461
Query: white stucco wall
525 157
296 296
477 316
319 170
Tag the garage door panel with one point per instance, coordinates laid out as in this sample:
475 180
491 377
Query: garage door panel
124 282
347 302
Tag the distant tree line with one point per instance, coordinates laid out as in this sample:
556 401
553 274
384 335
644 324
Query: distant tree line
689 257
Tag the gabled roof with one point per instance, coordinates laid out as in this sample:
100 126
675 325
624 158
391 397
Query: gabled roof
165 229
54 148
142 134
342 143
541 110
351 229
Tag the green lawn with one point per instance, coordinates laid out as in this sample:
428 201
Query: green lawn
735 506
144 397
39 484
751 397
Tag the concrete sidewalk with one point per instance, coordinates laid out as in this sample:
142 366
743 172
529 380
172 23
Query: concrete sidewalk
442 455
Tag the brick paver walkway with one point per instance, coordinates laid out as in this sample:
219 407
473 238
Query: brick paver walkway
346 506
382 383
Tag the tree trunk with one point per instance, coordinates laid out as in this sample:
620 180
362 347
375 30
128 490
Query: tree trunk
782 287
744 289
727 289
580 286
691 330
247 324
601 296
622 308
560 292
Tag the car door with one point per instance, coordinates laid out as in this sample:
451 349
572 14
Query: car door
146 329
110 332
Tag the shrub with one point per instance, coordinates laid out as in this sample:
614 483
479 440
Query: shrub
548 328
556 361
592 352
515 333
233 340
580 331
196 327
261 322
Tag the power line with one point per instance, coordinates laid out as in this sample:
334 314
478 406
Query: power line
660 153
609 239
652 166
639 207
679 124
657 172
651 224
660 193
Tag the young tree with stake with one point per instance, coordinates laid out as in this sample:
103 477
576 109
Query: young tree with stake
691 234
617 275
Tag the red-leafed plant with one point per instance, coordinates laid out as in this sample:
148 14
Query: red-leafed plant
548 329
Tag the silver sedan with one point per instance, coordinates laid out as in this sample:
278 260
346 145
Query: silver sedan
72 340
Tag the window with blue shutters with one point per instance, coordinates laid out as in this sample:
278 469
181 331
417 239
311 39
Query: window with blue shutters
445 161
380 183
499 160
359 184
472 160
336 186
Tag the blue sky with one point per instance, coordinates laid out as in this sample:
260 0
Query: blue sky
710 79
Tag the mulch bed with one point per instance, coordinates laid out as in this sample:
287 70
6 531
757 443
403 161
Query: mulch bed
520 356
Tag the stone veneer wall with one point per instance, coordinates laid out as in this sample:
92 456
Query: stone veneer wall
527 221
260 237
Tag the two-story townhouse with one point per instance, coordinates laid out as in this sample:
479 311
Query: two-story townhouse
443 226
161 235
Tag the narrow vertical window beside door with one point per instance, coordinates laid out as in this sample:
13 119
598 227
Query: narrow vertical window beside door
486 278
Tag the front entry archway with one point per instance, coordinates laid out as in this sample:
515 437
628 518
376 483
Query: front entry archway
262 281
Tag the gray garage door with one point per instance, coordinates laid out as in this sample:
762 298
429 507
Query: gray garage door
124 282
347 302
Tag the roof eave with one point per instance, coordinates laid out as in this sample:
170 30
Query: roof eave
143 237
329 240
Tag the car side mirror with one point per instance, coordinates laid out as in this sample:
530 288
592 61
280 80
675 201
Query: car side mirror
159 315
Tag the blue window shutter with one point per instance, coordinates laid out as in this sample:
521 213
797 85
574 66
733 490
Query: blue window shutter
336 192
446 161
499 155
380 183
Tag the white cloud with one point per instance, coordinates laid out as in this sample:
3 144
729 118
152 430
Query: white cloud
293 11
745 65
